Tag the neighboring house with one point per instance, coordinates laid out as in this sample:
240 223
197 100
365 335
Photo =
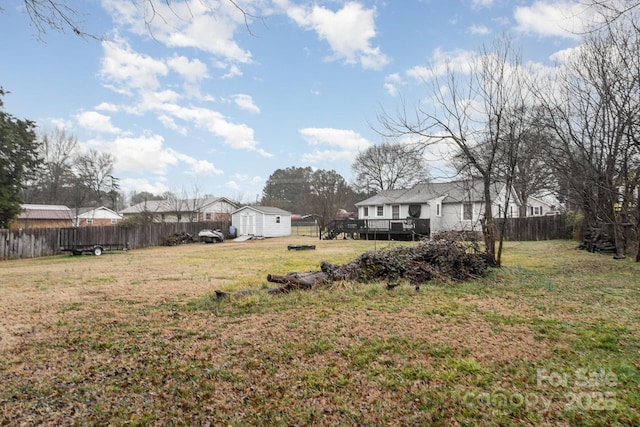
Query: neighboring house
457 206
261 221
96 216
185 210
541 206
43 216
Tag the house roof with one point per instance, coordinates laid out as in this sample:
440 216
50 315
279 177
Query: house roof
50 212
167 206
450 192
265 210
83 211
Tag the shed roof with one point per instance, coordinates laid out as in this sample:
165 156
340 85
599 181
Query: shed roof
270 210
49 212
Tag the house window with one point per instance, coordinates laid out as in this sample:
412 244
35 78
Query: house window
395 212
511 211
536 210
467 211
277 220
438 209
89 221
207 216
113 221
379 211
365 211
414 211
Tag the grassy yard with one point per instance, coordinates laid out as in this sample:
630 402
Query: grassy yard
138 338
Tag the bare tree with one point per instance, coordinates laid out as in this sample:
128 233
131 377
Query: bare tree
54 180
389 166
612 11
594 111
472 113
328 193
94 170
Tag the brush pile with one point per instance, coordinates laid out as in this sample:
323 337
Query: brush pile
442 260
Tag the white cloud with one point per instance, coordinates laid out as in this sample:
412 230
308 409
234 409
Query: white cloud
246 103
343 144
481 30
143 154
143 184
562 56
187 24
95 121
481 3
391 83
127 71
135 74
192 71
348 31
108 107
459 61
554 18
204 168
237 136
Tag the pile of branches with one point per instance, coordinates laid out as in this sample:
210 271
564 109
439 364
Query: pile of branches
442 260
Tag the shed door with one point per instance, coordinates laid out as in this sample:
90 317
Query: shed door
248 225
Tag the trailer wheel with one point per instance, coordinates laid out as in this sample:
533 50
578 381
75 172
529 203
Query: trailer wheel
97 251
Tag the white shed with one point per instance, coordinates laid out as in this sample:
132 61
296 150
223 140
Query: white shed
261 221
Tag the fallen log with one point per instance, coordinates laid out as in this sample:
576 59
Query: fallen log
301 247
300 280
290 282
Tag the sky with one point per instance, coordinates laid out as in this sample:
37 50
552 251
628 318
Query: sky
206 100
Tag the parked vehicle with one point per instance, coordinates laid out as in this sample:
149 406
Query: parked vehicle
211 236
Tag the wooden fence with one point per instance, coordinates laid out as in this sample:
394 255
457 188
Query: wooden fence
38 242
534 228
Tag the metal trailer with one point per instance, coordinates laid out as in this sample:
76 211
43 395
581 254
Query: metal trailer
79 240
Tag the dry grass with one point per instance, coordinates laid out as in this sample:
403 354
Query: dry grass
137 338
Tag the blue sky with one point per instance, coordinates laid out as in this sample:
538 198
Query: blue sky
207 104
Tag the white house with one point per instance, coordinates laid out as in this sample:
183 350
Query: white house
261 221
449 206
184 210
541 206
95 216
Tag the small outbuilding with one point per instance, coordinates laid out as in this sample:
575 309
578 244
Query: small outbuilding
261 221
42 216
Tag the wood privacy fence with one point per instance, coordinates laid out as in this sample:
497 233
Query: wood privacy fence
534 228
38 242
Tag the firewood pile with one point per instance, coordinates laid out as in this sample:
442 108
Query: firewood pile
597 239
443 260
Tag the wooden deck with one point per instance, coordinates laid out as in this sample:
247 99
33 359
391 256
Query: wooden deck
381 229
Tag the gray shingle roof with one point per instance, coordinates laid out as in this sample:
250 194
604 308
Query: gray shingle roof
453 192
266 210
